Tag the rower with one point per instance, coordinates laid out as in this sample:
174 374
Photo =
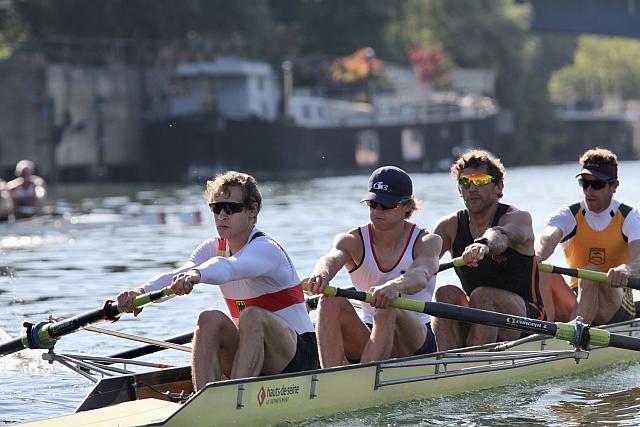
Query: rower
389 257
495 241
6 203
598 233
27 190
269 330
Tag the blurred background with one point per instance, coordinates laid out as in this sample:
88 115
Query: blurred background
168 91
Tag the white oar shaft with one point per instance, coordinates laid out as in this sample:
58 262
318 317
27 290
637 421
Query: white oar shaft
151 341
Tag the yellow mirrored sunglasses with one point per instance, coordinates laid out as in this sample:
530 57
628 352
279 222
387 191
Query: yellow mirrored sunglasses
478 179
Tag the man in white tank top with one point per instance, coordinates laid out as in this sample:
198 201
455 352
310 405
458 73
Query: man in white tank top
388 257
269 331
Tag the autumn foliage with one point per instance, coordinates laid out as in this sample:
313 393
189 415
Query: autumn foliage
427 63
357 66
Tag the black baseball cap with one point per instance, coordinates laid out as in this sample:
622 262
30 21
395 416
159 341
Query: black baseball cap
603 171
389 185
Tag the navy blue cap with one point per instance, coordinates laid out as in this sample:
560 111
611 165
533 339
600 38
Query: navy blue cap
389 186
603 171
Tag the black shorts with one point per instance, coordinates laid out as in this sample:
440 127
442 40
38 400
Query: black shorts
306 357
534 311
428 346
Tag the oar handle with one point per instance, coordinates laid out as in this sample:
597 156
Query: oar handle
596 276
456 262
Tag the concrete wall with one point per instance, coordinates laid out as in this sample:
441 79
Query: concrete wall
74 121
24 129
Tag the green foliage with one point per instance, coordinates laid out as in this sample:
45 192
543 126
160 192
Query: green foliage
603 67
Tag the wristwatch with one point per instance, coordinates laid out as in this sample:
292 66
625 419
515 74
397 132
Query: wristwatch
482 241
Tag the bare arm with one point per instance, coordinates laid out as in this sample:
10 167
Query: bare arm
515 232
422 269
446 229
617 276
546 242
345 247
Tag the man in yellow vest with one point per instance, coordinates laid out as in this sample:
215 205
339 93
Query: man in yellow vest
599 233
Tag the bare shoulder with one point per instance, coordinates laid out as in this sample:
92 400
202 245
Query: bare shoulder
430 243
447 225
348 240
515 216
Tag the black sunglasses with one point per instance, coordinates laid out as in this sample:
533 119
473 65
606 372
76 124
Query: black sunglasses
228 207
376 205
597 184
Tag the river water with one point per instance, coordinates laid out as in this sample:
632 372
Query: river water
75 268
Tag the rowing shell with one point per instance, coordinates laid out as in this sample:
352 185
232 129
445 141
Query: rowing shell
161 397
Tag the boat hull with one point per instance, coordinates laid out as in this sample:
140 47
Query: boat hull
273 399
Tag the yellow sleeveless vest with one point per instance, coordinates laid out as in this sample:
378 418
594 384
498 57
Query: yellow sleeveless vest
603 249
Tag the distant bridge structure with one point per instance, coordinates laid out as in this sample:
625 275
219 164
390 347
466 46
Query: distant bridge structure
604 17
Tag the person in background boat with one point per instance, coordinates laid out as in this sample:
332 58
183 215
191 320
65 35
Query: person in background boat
28 191
269 331
598 233
389 257
6 204
496 242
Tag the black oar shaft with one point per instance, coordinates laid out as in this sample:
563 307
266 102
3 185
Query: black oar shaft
150 348
44 335
465 314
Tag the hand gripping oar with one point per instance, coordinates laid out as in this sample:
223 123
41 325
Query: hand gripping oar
44 334
312 302
596 276
578 334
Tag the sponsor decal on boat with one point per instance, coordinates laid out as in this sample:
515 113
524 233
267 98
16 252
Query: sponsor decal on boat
278 394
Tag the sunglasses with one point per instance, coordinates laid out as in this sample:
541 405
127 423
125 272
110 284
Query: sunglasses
478 179
228 207
376 205
597 184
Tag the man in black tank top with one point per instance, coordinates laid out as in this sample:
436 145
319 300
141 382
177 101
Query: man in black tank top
496 242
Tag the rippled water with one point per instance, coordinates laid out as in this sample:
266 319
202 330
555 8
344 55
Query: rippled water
62 270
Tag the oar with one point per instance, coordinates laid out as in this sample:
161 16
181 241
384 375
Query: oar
148 349
312 302
44 334
576 333
596 276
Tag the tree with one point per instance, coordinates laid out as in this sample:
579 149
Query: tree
603 68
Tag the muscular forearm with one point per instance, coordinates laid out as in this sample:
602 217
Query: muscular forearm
329 265
544 247
497 239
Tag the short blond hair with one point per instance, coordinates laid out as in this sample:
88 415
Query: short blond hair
222 183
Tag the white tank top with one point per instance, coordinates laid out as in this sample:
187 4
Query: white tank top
369 273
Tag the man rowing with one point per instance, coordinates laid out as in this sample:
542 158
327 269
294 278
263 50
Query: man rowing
598 233
6 203
495 241
269 331
388 257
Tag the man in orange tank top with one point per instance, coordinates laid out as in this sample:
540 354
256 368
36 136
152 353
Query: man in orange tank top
599 233
388 257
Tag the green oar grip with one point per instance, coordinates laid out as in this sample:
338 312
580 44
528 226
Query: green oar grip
149 297
596 276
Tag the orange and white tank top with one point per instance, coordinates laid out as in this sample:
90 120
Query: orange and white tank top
369 273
